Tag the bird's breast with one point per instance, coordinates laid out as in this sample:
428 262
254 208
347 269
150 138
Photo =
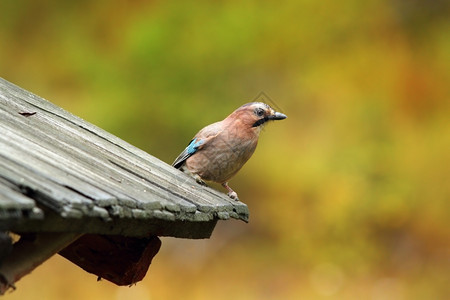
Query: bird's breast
223 157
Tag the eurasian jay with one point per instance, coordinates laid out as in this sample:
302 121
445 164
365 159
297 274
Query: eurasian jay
218 151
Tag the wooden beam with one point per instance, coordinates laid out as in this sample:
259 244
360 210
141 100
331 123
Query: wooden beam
119 259
28 253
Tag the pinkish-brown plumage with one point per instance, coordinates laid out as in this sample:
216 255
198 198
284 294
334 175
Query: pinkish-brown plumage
218 151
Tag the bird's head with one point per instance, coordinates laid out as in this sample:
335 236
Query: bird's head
256 114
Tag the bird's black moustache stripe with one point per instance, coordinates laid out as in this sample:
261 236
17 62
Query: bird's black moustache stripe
260 122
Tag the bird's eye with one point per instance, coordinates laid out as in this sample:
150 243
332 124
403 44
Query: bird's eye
259 112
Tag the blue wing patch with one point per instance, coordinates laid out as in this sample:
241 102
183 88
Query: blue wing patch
190 150
193 146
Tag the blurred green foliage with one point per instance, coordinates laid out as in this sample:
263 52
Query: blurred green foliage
349 196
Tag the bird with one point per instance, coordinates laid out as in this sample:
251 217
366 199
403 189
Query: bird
218 151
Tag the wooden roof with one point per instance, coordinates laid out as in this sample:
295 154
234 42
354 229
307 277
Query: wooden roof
59 173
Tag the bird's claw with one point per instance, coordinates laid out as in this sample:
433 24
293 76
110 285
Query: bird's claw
233 195
199 180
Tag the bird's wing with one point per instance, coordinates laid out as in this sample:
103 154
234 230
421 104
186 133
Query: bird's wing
197 143
193 146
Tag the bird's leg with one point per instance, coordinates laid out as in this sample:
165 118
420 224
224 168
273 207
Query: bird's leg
232 194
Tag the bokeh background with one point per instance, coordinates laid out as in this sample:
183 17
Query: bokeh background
349 197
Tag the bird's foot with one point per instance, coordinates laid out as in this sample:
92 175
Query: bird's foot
197 177
232 194
199 180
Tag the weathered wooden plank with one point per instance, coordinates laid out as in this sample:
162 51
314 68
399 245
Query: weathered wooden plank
49 163
67 178
67 198
12 199
138 227
79 171
44 191
48 168
79 162
206 207
14 206
204 201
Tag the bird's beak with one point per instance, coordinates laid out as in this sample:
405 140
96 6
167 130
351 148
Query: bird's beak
277 116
